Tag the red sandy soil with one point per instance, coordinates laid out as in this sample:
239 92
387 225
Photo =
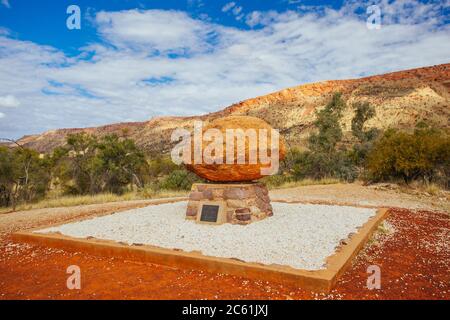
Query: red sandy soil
414 257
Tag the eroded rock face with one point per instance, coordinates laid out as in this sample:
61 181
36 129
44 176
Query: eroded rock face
239 172
400 99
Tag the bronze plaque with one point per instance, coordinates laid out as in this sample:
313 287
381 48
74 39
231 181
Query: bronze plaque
209 213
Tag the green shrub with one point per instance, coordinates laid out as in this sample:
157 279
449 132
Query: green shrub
160 166
317 165
88 165
423 154
24 176
365 137
329 132
275 180
178 180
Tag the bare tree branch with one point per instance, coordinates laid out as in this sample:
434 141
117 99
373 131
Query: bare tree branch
12 141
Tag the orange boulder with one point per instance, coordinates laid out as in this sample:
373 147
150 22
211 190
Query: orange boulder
249 168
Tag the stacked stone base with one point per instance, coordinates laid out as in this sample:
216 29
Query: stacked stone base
244 203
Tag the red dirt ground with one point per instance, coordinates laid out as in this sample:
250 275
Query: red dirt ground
414 262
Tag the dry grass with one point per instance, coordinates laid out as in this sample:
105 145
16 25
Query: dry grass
427 189
433 189
68 201
305 182
56 199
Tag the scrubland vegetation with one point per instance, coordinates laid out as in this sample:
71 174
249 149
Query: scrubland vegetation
420 157
87 170
93 170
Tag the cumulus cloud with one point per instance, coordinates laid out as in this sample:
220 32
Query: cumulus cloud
155 30
158 62
256 18
9 101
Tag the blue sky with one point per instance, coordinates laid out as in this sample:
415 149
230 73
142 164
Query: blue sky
133 60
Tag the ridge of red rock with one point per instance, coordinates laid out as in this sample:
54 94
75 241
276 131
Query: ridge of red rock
400 99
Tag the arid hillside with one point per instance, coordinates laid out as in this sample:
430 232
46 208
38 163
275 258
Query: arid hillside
401 99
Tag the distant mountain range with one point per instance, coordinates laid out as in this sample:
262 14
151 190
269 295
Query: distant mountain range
401 99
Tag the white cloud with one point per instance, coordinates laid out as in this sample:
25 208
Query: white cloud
152 30
213 66
228 6
237 10
2 115
256 18
234 10
9 101
6 4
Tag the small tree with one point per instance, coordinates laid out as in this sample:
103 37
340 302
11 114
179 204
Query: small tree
363 112
8 170
91 165
119 161
329 130
423 154
325 158
24 175
365 137
81 152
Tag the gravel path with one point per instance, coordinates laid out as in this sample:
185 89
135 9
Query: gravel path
354 194
298 235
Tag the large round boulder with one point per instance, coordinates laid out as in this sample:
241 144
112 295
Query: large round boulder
249 170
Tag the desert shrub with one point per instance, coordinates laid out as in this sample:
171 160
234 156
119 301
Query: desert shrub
365 137
344 167
88 165
423 154
363 112
7 176
329 131
275 180
24 176
289 160
318 166
161 166
324 159
119 162
180 179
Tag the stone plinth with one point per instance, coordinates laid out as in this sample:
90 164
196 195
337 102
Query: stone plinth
243 203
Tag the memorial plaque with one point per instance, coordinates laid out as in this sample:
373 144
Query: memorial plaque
209 213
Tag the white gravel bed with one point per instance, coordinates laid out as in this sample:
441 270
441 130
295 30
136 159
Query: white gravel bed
298 235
